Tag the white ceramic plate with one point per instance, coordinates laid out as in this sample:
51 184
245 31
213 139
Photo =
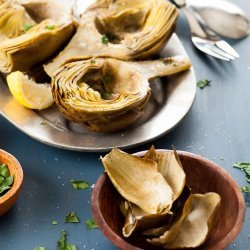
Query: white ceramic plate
171 100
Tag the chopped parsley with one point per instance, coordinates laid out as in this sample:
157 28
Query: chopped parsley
105 39
79 184
91 224
50 27
71 218
92 61
62 243
6 180
54 222
245 166
40 248
27 27
105 95
245 189
203 83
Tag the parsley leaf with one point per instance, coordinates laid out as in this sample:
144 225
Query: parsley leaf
105 39
54 222
6 180
91 224
27 27
40 248
245 166
79 184
50 27
245 189
62 243
203 83
4 171
71 218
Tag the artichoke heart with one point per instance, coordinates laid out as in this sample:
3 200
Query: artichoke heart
32 33
108 94
122 29
138 181
194 225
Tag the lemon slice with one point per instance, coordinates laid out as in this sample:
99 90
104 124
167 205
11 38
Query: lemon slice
28 93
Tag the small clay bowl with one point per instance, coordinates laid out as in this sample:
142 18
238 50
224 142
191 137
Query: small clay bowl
202 176
9 198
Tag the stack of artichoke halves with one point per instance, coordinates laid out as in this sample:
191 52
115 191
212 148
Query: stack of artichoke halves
96 78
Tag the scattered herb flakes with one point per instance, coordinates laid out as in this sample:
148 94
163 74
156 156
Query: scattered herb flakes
91 224
6 180
92 61
245 166
245 189
43 123
203 83
105 39
39 248
80 185
27 27
62 242
71 218
54 222
50 27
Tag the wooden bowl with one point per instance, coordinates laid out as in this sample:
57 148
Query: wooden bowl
202 176
9 198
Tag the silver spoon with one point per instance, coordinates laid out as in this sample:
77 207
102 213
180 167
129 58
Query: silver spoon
223 17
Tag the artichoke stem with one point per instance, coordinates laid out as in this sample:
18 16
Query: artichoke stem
164 67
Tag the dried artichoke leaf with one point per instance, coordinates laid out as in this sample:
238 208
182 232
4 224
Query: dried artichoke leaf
138 181
138 220
195 224
135 29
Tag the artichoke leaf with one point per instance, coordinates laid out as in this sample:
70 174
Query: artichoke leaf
122 29
194 225
138 181
104 93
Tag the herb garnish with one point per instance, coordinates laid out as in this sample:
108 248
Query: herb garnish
79 184
245 189
92 61
105 95
105 39
6 180
40 248
27 27
203 83
91 224
50 27
54 222
245 166
62 242
71 218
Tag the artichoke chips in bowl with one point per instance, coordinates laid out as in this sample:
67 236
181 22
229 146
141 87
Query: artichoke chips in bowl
164 199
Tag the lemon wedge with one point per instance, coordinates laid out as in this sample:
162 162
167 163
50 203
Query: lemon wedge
28 93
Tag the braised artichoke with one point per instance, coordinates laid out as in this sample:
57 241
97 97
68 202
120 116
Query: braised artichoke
122 29
32 32
108 94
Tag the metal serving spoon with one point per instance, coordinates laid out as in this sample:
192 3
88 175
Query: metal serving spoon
223 17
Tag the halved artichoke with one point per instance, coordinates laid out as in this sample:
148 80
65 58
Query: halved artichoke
109 94
33 32
194 225
122 29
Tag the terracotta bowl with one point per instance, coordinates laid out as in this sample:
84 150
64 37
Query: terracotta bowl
202 176
9 198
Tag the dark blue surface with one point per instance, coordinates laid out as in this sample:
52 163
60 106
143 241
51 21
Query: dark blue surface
217 128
